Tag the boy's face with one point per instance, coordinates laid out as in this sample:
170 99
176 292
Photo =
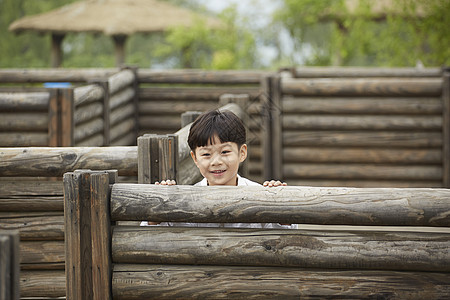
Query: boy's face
219 162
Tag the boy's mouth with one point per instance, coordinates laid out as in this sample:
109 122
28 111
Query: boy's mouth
218 172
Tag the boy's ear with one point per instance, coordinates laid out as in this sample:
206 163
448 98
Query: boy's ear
243 153
193 156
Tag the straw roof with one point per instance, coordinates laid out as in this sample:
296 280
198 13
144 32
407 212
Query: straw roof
111 17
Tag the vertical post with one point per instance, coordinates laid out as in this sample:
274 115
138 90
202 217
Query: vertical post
266 134
9 265
101 233
446 130
135 99
53 119
106 113
67 117
277 137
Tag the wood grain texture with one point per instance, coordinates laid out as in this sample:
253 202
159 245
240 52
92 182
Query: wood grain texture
45 161
214 282
42 255
120 80
87 94
45 284
283 248
45 226
351 206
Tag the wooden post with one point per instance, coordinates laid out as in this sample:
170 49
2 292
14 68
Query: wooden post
9 265
446 130
266 136
135 100
53 119
67 117
101 233
189 117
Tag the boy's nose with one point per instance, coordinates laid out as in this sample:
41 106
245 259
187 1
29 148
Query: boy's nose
216 160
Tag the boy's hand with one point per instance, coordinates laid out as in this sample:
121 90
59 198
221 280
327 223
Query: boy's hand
274 183
166 182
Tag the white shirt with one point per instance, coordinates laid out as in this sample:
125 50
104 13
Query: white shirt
241 182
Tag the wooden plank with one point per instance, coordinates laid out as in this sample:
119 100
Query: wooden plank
46 161
15 102
288 204
30 188
366 105
144 162
362 155
42 254
187 282
446 131
363 87
357 72
45 284
395 251
40 227
67 117
366 122
32 203
362 171
24 121
391 139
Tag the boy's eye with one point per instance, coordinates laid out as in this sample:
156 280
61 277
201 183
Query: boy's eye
226 151
205 154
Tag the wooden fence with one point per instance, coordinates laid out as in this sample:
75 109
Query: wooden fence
9 265
169 262
359 127
90 114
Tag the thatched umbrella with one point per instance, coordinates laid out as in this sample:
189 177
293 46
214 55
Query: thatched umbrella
115 18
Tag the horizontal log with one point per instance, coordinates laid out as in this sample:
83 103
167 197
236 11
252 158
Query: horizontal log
36 228
121 113
24 121
87 129
194 93
120 98
32 203
189 282
291 205
96 140
125 127
367 122
59 160
20 139
154 123
361 171
393 251
87 94
120 80
368 105
336 138
317 72
174 107
201 76
46 284
41 254
362 155
365 183
124 141
54 75
15 102
88 112
362 87
31 188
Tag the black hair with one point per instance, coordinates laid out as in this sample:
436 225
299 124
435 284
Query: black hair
225 124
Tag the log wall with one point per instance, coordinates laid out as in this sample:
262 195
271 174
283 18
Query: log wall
359 127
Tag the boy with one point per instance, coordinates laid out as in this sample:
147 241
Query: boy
217 142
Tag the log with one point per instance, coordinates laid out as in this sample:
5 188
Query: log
188 173
124 96
19 139
200 76
362 155
120 80
124 140
88 112
330 72
391 139
361 171
125 127
53 75
416 87
85 130
367 105
291 205
174 107
42 255
32 203
24 121
121 113
159 122
393 251
15 102
48 227
87 94
193 93
51 284
57 161
364 183
30 188
367 122
188 282
97 140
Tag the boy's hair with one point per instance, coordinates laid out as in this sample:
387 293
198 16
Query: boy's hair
226 125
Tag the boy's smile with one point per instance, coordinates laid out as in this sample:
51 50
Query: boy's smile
219 162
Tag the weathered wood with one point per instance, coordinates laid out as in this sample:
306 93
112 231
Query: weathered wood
106 112
446 131
15 102
39 227
44 161
188 173
121 113
42 255
88 129
124 128
123 96
9 265
174 106
368 122
54 75
30 188
304 249
327 72
277 124
87 94
95 140
88 112
363 87
120 80
188 117
200 76
54 120
23 121
366 105
362 155
47 284
159 122
266 126
194 93
391 139
351 206
67 122
124 140
372 183
189 282
32 203
18 139
362 171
